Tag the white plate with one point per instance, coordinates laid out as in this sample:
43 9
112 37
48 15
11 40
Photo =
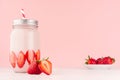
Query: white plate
98 66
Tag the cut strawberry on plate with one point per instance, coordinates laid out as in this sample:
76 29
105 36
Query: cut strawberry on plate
30 54
13 59
37 54
21 59
45 66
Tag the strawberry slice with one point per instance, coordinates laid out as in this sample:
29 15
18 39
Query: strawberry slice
30 54
13 59
45 66
37 54
21 59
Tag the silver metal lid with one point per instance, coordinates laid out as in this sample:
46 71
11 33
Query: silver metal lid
30 22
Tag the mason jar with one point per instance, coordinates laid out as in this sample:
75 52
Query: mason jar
24 44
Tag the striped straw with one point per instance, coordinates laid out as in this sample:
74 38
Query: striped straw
23 13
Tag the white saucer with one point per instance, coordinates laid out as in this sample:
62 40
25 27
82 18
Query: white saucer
98 66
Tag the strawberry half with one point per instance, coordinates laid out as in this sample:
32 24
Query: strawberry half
45 66
33 68
37 54
30 55
21 59
13 59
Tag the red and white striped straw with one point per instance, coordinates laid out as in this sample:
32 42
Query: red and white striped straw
23 13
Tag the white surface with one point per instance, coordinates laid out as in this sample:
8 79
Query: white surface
63 74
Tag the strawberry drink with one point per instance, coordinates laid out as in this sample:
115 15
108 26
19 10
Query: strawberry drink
24 44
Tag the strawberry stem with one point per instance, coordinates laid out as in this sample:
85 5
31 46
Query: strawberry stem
88 57
113 60
47 58
86 62
38 61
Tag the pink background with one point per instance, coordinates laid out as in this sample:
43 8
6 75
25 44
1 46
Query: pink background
69 29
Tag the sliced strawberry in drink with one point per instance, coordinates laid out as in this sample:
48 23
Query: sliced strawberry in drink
12 59
37 54
45 66
30 54
21 59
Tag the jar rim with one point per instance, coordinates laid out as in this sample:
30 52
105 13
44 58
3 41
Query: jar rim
30 22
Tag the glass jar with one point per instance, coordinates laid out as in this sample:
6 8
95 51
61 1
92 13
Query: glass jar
24 44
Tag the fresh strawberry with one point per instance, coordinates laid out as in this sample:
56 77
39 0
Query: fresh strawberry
13 59
99 61
37 54
33 68
90 60
103 60
45 66
21 59
30 54
108 60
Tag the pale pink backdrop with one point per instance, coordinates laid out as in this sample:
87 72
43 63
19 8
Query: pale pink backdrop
69 29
